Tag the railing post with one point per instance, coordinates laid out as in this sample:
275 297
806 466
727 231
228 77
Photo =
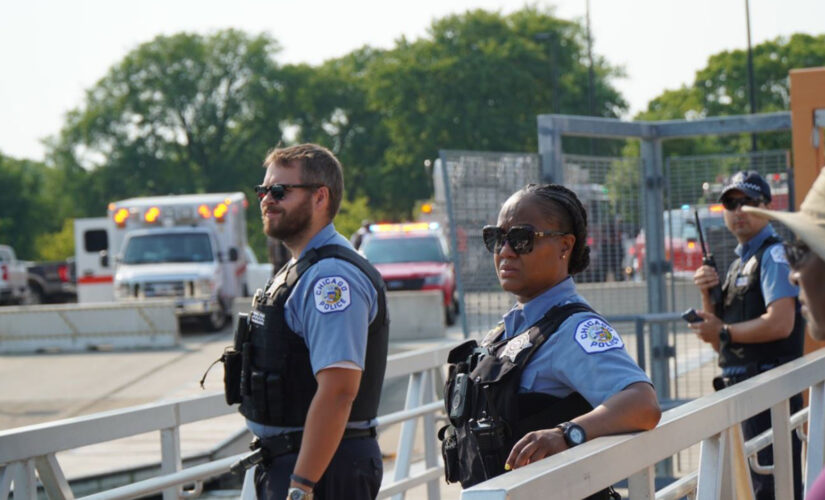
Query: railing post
430 452
51 475
406 441
741 484
641 485
170 459
816 434
711 463
782 450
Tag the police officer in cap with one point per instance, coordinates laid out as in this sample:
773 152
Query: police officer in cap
757 324
553 374
314 362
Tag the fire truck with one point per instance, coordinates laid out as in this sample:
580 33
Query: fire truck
190 248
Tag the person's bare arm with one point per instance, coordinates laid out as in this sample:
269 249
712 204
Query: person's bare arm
326 420
775 324
635 408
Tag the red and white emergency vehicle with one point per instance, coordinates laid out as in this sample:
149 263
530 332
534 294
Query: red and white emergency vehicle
188 247
413 256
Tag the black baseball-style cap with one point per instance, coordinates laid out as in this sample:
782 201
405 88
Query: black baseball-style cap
749 182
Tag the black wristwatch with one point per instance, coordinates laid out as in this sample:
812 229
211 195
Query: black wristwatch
574 434
724 335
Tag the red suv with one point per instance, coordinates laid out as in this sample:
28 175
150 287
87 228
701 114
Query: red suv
413 256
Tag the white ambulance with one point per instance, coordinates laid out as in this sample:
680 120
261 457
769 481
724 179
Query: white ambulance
188 247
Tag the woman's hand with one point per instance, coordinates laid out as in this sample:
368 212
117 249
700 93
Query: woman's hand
535 446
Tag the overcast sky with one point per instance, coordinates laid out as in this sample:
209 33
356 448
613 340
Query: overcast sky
52 50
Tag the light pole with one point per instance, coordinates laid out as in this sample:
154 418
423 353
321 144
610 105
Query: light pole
751 87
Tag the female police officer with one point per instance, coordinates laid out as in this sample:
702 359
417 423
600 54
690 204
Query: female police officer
554 373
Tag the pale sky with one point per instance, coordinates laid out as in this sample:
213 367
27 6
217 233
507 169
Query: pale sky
52 50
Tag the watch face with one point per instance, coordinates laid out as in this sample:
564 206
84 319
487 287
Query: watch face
296 494
576 435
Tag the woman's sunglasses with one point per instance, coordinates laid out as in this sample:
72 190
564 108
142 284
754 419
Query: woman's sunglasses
796 252
278 191
520 238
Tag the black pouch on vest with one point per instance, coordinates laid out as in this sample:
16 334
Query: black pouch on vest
258 391
449 452
232 376
274 396
490 436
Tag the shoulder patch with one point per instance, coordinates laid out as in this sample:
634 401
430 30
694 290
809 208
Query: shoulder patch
595 335
778 254
331 294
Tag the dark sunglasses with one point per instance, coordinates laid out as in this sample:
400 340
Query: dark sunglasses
731 204
278 191
520 238
796 252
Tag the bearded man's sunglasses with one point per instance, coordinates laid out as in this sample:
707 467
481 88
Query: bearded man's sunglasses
520 238
278 191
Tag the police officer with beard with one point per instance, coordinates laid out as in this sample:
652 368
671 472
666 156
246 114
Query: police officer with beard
553 373
757 324
313 357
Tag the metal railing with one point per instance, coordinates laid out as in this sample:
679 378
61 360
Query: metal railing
713 420
29 453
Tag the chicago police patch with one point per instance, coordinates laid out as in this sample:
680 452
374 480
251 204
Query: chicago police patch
331 294
594 335
778 254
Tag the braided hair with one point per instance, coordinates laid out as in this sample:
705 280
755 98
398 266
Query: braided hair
562 205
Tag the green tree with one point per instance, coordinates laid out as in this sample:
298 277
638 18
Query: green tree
180 114
28 204
477 81
58 245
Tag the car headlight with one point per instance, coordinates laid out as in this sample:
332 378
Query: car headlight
435 279
204 286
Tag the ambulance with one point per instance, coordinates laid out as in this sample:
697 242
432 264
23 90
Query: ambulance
190 248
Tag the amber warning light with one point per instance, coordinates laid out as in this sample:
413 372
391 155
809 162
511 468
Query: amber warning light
120 217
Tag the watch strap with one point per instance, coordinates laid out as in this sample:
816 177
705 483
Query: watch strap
302 480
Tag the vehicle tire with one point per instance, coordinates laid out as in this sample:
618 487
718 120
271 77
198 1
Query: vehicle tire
451 312
215 320
34 296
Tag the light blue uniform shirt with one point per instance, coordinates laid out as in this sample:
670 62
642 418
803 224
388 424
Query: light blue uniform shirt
333 325
585 355
774 266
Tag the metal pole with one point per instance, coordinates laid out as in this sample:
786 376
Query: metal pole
751 86
590 72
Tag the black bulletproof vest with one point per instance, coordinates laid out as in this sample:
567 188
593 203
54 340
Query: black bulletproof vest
742 300
488 414
277 383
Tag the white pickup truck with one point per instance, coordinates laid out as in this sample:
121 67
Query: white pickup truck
13 278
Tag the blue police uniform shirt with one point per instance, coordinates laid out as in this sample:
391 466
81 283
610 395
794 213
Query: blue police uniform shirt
585 355
774 266
331 308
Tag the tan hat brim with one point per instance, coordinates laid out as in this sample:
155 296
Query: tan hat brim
803 226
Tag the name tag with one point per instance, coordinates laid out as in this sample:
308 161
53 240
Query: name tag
741 281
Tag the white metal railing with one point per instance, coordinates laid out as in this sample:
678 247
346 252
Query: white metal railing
713 420
29 453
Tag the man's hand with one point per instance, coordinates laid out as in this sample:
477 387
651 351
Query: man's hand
708 330
535 446
705 278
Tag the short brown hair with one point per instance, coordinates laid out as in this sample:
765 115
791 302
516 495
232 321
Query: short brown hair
318 166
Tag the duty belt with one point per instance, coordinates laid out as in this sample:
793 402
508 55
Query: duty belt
265 449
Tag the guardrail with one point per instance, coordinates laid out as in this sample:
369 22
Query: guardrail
30 452
713 420
73 327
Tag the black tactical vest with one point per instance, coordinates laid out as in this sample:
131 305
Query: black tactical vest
276 380
487 413
742 300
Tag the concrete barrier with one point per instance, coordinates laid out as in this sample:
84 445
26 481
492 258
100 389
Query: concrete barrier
77 327
414 315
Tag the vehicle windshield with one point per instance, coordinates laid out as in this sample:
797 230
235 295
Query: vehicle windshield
169 247
389 250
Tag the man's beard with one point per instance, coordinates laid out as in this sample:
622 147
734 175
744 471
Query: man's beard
291 223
